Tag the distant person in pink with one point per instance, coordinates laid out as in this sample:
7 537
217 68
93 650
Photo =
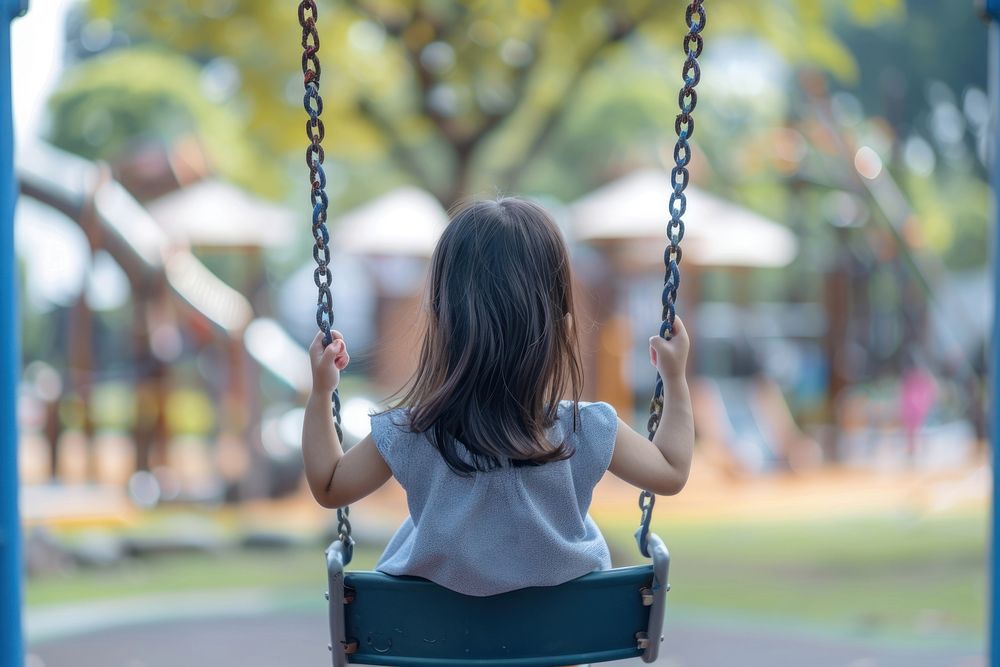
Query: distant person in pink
918 391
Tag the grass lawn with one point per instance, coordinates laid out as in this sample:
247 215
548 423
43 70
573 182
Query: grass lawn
886 575
296 569
896 576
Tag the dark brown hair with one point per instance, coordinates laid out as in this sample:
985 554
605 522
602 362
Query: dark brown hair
499 349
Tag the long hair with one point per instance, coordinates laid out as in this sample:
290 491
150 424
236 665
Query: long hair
499 350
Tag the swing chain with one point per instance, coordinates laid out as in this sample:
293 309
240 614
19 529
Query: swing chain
646 501
687 100
312 101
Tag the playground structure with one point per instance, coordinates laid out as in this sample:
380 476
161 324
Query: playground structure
746 429
159 271
116 221
745 424
160 266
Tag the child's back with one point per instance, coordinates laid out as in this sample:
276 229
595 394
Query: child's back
499 530
498 469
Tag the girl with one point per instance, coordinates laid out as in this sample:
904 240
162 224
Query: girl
498 471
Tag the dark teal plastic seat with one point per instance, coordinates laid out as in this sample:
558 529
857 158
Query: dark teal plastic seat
377 619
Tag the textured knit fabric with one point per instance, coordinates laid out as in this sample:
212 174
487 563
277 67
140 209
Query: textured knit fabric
503 529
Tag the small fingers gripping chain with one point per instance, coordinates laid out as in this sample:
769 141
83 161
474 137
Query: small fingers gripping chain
687 99
322 276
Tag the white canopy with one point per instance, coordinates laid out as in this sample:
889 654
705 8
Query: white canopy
216 213
407 221
717 232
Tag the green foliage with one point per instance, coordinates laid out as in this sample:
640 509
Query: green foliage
913 48
454 96
111 100
917 75
952 216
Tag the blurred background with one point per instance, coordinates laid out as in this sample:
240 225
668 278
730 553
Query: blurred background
834 280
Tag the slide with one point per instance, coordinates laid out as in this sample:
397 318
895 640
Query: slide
746 426
85 193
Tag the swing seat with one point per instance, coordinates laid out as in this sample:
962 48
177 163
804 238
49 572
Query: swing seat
378 619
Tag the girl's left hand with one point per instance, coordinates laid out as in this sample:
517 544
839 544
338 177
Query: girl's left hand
328 362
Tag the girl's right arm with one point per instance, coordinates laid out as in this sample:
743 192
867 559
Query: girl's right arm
661 466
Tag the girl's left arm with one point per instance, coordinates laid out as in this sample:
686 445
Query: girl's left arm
335 478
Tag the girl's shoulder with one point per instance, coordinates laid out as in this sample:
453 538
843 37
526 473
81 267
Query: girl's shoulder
590 414
391 432
391 420
592 439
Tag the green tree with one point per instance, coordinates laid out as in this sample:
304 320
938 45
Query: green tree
460 95
106 103
933 99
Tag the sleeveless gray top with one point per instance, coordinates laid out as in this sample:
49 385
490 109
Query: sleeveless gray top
503 529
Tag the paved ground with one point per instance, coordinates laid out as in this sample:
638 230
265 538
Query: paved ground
298 639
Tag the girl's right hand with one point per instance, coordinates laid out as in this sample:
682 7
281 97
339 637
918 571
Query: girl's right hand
328 362
669 357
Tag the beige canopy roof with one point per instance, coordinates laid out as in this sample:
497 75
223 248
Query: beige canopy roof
717 232
216 213
406 221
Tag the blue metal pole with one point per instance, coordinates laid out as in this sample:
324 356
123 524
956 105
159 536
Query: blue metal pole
992 13
11 631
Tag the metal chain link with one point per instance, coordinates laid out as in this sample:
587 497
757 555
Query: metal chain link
322 276
687 100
